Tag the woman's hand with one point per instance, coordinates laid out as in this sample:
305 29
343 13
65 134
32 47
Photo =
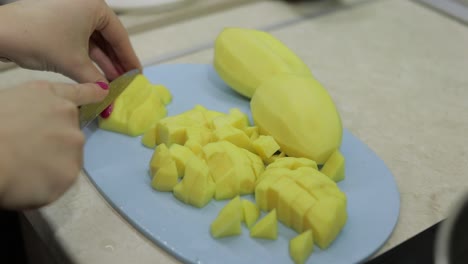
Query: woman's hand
66 37
41 151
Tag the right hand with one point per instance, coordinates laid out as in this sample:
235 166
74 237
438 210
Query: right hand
41 151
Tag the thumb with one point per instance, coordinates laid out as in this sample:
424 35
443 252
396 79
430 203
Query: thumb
80 94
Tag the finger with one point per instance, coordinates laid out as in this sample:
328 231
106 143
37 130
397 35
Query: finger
103 61
115 34
80 94
85 72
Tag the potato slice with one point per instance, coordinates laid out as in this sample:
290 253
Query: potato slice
301 246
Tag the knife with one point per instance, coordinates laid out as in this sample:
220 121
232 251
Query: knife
90 111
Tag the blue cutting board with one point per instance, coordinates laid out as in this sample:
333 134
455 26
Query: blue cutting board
118 165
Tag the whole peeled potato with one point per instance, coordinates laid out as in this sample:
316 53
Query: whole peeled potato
299 114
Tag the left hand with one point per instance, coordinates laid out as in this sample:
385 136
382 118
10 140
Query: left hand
66 37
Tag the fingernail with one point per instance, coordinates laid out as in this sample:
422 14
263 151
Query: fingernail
107 112
103 85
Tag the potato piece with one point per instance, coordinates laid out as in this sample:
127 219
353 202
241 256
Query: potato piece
238 118
165 177
160 156
255 162
251 131
197 180
313 179
251 213
171 133
299 207
202 190
285 199
117 121
233 135
146 115
194 146
265 146
220 164
228 221
180 154
326 219
227 186
163 93
200 134
212 148
273 158
274 191
334 167
301 246
266 227
181 192
149 138
293 163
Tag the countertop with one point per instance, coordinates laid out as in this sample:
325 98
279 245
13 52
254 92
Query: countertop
395 68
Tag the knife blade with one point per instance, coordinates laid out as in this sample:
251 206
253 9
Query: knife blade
89 112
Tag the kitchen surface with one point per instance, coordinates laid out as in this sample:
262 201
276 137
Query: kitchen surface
396 70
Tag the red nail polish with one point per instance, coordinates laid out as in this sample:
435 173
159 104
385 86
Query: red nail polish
107 112
103 85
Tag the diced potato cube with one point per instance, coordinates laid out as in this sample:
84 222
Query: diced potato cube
265 146
220 164
165 177
293 163
326 219
238 118
251 213
255 162
181 192
266 227
170 133
228 221
251 131
261 191
194 146
285 199
180 154
299 207
233 135
274 191
334 167
273 158
149 138
227 186
201 134
202 190
313 179
161 155
301 246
